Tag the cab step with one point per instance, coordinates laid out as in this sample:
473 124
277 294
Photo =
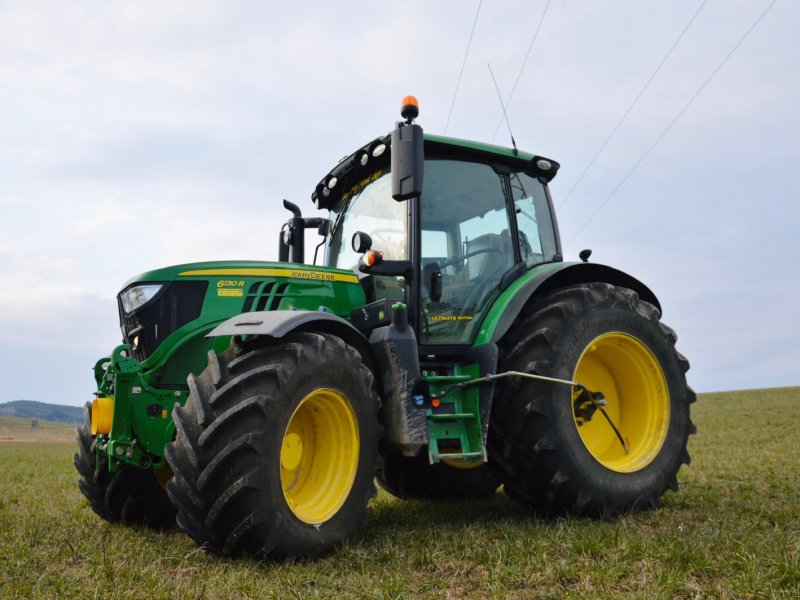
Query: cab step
454 424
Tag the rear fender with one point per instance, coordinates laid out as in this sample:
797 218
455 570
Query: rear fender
541 281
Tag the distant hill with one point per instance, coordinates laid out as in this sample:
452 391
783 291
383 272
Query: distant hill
31 409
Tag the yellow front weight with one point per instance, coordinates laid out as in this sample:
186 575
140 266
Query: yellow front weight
102 414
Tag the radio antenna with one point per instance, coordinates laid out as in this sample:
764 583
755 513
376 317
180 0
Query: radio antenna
503 106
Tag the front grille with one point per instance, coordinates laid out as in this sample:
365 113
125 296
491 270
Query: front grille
177 304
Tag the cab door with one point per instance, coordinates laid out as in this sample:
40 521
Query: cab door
466 247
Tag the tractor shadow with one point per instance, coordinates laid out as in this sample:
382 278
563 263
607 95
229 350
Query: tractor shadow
388 515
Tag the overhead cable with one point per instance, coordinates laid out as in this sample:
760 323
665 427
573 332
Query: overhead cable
463 64
532 77
672 123
630 108
522 67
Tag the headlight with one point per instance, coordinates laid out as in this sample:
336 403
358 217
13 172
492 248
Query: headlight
137 296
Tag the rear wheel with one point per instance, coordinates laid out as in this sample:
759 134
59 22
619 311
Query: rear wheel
414 477
129 495
557 452
276 448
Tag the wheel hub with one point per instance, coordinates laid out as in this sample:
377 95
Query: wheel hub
586 404
292 451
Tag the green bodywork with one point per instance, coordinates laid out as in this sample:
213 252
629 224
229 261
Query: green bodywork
142 422
501 303
145 392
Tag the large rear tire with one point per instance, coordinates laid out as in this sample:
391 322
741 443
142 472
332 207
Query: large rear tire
276 448
129 495
415 478
551 456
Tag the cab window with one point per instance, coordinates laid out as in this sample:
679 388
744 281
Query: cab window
466 247
537 241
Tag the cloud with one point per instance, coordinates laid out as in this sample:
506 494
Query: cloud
146 134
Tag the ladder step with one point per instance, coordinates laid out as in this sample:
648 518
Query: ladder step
451 416
447 378
459 455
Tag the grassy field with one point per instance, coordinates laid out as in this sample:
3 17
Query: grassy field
17 429
733 531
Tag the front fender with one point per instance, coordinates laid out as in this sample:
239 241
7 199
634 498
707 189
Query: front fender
279 323
543 280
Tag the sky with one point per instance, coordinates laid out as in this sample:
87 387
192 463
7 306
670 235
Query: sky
136 135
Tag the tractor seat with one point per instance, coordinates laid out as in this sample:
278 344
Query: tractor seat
490 258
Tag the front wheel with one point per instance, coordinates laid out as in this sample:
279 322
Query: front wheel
559 452
276 448
129 495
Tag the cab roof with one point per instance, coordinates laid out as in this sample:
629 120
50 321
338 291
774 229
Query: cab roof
352 168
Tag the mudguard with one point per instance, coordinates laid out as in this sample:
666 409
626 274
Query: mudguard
279 323
542 280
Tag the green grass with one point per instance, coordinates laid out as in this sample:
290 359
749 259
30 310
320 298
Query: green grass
733 531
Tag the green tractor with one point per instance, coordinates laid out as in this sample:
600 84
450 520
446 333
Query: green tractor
443 349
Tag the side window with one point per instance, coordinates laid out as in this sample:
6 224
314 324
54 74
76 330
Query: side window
466 246
536 234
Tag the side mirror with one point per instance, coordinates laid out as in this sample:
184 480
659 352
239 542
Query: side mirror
408 161
361 242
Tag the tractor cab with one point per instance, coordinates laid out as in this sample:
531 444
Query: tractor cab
483 218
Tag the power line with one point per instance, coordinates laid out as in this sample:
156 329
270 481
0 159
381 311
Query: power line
499 97
532 77
463 64
672 123
522 67
630 108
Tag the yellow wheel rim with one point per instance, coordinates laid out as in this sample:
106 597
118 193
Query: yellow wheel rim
163 475
319 456
632 381
464 465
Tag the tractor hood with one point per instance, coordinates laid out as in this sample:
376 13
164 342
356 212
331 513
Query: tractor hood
242 268
162 309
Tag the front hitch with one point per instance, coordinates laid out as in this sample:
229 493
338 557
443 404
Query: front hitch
131 420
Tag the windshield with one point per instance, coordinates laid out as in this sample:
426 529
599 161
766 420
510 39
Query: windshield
369 207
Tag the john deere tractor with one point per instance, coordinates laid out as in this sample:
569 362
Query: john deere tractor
443 348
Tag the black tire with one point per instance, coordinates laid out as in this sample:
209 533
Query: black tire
614 340
240 452
130 495
415 478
